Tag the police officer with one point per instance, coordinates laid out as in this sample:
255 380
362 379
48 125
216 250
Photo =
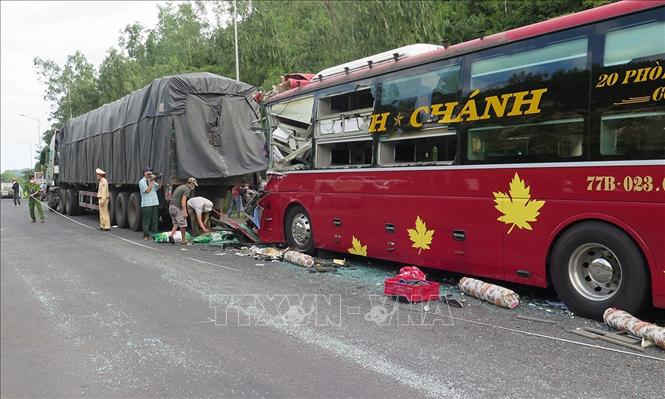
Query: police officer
103 201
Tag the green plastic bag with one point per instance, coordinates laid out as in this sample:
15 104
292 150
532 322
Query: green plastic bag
214 237
164 237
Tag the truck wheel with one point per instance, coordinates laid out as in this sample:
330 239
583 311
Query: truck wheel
298 229
72 202
121 209
113 196
51 201
134 212
61 200
596 266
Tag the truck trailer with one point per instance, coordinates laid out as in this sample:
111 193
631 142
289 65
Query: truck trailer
197 125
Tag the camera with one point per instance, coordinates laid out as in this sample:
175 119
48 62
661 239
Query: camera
156 176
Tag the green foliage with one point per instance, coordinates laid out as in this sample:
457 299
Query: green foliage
8 176
275 37
27 175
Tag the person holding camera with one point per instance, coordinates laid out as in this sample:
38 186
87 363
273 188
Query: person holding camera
148 187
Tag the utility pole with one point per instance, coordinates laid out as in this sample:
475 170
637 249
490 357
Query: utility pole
39 129
29 152
235 28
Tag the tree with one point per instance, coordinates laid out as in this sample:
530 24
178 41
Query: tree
71 89
8 176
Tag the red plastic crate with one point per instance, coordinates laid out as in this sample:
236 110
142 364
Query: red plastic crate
412 293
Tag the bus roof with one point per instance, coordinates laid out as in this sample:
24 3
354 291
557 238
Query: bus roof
540 28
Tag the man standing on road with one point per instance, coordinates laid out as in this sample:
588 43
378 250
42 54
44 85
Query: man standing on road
149 202
17 193
199 209
34 195
103 201
178 208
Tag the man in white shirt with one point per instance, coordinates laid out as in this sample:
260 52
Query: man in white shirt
199 208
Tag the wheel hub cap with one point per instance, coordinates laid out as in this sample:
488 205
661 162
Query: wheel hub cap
600 271
594 272
301 229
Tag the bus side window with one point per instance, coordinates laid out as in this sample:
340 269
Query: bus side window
413 136
628 90
344 153
555 65
341 129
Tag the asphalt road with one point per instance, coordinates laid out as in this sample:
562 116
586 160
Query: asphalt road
93 314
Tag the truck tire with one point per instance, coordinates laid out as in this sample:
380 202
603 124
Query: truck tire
62 197
52 201
113 196
72 202
134 212
298 229
121 205
595 266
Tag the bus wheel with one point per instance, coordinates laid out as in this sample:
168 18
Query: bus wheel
596 266
134 212
121 205
298 229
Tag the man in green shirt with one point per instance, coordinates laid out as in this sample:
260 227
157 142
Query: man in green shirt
178 208
34 193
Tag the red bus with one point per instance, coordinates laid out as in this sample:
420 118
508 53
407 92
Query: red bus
535 156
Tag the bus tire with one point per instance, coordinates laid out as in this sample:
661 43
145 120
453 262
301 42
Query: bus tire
113 197
121 205
595 266
72 202
298 229
134 212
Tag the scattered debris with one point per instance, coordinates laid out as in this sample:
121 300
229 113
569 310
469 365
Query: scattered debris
556 304
340 262
618 335
299 259
450 301
216 237
324 269
536 320
624 321
269 253
491 293
608 336
241 228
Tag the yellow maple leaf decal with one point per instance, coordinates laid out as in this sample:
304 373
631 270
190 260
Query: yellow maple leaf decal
358 248
518 209
420 236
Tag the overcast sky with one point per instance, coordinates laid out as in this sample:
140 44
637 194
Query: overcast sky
51 30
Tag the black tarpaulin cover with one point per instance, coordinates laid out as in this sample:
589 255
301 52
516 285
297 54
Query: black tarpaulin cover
193 125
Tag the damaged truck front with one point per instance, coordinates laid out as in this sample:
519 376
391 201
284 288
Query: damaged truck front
197 125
